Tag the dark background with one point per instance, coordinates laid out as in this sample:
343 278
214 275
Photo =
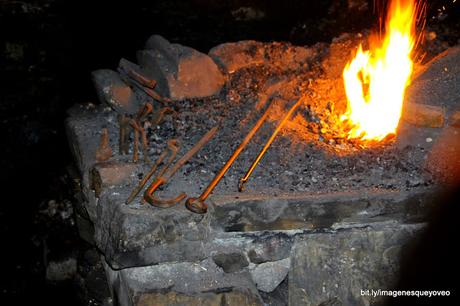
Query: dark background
48 49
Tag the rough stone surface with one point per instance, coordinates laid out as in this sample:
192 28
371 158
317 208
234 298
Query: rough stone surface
138 234
233 56
334 267
113 91
181 72
83 127
253 213
443 160
267 276
187 283
278 248
110 174
423 115
282 56
208 299
438 83
231 262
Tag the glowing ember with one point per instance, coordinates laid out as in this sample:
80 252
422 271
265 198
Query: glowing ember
375 80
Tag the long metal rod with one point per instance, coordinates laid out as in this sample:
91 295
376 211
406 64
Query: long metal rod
163 179
197 147
173 147
201 207
254 164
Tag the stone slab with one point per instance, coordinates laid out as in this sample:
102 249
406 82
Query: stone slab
186 283
138 235
84 127
181 72
112 91
231 57
334 269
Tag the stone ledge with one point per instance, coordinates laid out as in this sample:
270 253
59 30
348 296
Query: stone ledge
139 235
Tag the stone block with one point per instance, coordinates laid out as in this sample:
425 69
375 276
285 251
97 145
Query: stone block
437 82
181 72
443 160
234 56
423 115
231 262
83 128
139 235
112 91
267 276
186 283
332 268
109 174
253 213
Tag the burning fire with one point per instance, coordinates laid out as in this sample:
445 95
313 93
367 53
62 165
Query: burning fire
375 80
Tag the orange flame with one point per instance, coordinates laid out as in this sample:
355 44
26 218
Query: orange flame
375 80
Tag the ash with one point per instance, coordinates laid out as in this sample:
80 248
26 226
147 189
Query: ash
307 156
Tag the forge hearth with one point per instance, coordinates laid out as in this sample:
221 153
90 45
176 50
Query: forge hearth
321 217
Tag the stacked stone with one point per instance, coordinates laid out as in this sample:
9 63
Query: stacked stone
296 249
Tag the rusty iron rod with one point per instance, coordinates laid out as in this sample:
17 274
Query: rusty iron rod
142 79
173 148
198 205
150 92
164 177
245 178
124 133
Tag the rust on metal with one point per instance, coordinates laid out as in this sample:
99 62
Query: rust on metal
104 151
137 124
198 205
159 115
167 173
150 92
173 147
245 178
123 122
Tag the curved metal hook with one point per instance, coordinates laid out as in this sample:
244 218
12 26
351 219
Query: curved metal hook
149 195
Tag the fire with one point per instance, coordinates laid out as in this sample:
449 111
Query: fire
375 80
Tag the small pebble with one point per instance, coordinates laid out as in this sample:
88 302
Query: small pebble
429 139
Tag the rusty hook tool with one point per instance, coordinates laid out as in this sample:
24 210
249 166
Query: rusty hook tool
164 177
198 205
136 124
173 147
245 178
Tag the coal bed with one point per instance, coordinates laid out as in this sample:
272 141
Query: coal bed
312 188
